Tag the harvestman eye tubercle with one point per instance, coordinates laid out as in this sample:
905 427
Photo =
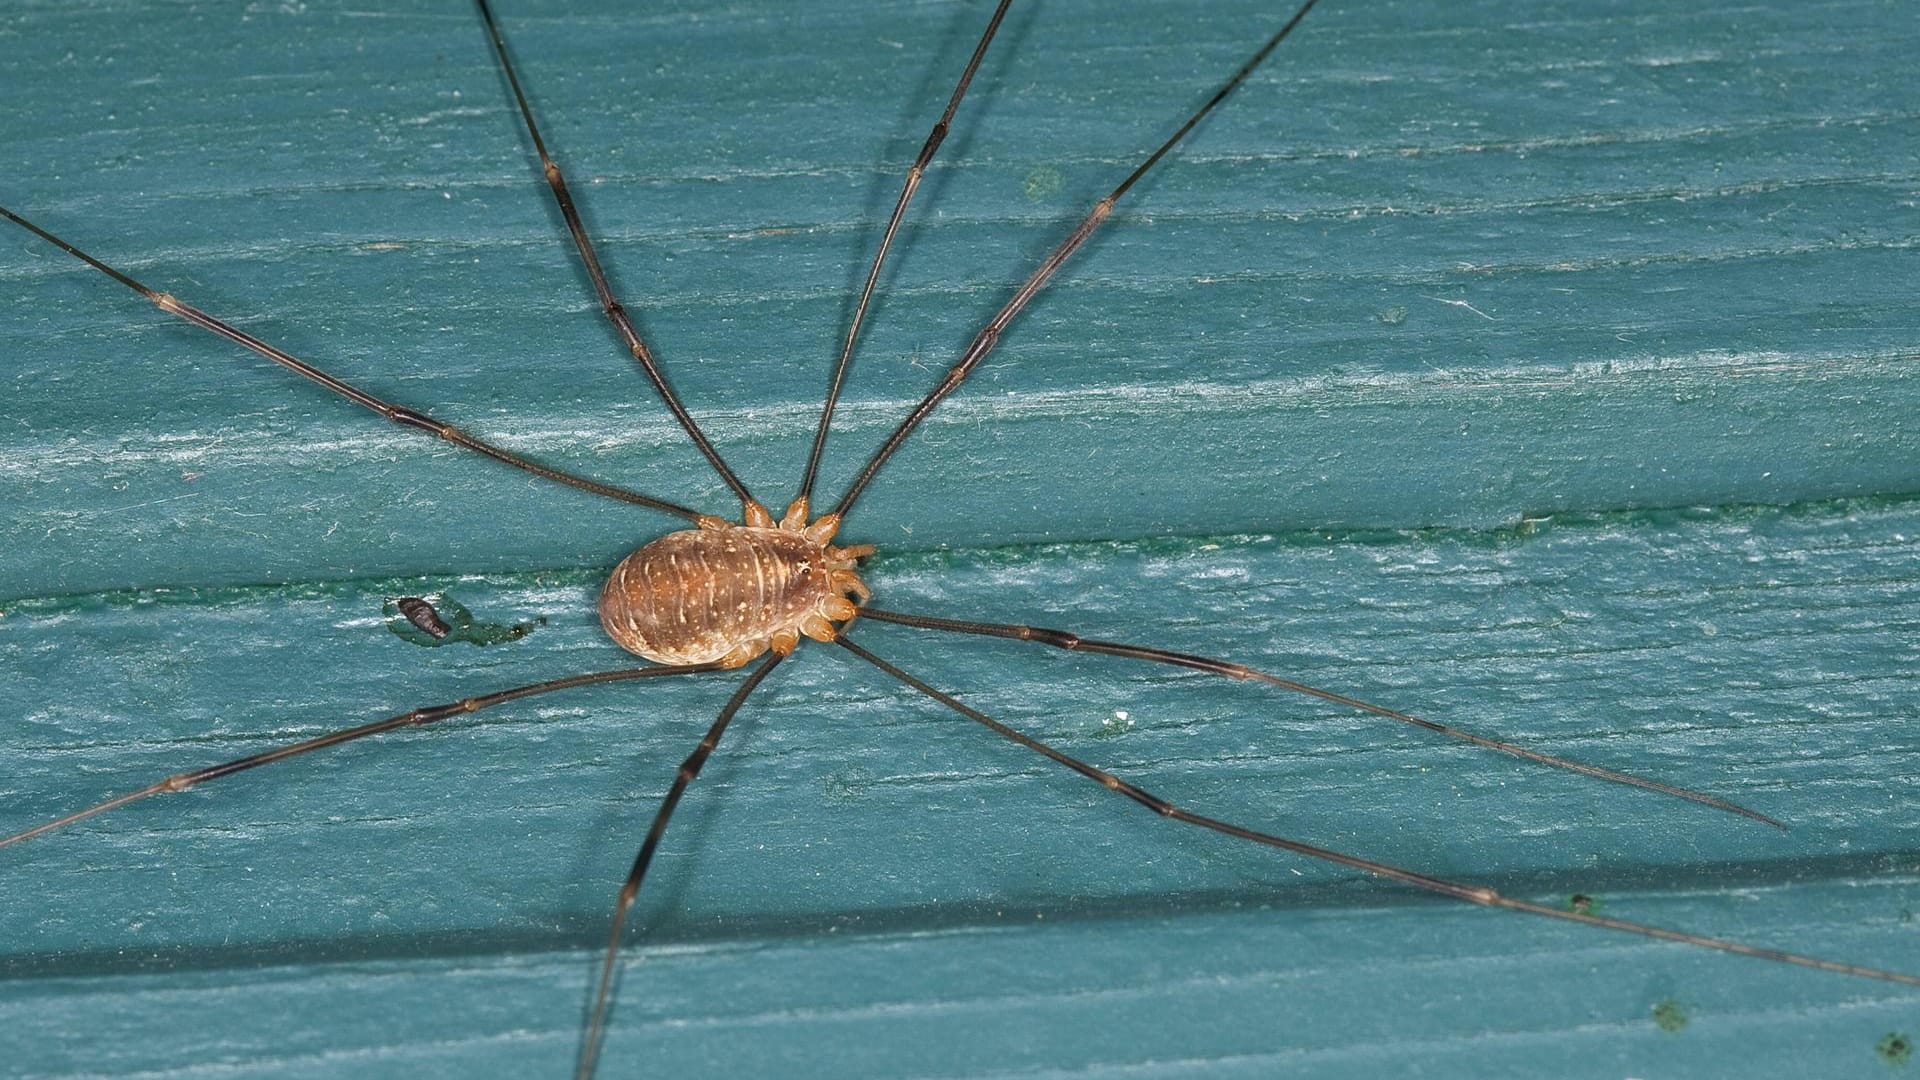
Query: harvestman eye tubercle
749 587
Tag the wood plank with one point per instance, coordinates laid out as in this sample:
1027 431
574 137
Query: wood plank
1639 503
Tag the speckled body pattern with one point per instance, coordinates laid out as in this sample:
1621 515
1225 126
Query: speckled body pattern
728 593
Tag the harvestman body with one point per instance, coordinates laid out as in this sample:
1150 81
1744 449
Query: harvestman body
720 594
725 594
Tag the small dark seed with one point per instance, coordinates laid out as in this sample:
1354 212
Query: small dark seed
422 615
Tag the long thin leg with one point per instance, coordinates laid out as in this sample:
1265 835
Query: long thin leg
399 414
608 303
1473 894
1073 642
934 138
427 715
989 336
689 769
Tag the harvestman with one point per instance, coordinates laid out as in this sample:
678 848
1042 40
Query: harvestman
722 594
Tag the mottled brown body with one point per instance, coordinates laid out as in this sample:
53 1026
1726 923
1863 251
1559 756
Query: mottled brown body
727 593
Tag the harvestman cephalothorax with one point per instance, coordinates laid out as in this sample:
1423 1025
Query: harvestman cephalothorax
809 623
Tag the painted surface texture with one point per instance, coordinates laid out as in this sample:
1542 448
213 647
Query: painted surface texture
1544 369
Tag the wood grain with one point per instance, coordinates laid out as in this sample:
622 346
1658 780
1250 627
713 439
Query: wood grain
1544 369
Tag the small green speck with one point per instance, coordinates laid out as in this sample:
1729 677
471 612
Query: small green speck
1583 904
848 785
1670 1016
1115 726
1894 1048
1041 182
1394 315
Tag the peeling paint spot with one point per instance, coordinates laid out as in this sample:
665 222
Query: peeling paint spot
442 620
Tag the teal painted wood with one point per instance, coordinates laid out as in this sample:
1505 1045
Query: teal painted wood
1685 239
